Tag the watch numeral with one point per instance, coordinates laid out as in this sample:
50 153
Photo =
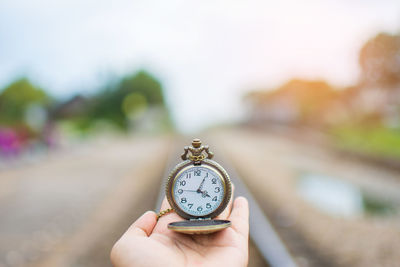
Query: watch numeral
217 189
182 183
190 205
208 206
206 175
183 200
199 208
215 198
197 173
180 191
188 175
214 180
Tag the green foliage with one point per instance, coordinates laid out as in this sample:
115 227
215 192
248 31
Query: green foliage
375 141
134 104
375 206
142 83
16 98
121 102
380 64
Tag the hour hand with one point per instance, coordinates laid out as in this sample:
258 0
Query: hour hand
205 194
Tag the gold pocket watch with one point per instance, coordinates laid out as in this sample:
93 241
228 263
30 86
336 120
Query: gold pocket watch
198 189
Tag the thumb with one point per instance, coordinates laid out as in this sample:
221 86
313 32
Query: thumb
240 216
144 225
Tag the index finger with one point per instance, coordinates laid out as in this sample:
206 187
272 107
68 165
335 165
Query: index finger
240 216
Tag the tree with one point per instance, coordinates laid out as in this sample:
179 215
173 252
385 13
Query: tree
380 60
134 93
17 98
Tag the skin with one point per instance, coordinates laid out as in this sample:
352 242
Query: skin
149 243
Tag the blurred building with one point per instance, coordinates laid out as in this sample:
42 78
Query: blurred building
374 100
297 102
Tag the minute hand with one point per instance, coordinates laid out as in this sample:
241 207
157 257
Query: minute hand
201 185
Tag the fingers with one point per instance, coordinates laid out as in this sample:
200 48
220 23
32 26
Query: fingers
240 216
144 225
227 211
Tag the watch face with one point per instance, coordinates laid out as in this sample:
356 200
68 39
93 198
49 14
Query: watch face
198 190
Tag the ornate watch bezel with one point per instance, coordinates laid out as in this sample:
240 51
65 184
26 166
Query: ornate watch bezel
186 164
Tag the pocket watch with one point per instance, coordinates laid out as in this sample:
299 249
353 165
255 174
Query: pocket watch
198 189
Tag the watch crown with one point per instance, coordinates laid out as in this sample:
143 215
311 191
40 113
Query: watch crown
196 143
196 150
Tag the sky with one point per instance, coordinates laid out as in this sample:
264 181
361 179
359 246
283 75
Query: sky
207 54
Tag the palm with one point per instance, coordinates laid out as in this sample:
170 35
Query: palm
163 247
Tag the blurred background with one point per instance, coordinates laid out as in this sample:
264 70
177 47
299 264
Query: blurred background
97 99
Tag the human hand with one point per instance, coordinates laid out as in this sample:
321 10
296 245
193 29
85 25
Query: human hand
149 242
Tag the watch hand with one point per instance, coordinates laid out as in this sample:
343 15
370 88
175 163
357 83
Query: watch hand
201 185
205 194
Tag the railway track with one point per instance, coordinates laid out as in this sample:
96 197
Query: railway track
131 181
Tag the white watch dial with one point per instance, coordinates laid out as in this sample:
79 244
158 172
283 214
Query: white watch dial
198 190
